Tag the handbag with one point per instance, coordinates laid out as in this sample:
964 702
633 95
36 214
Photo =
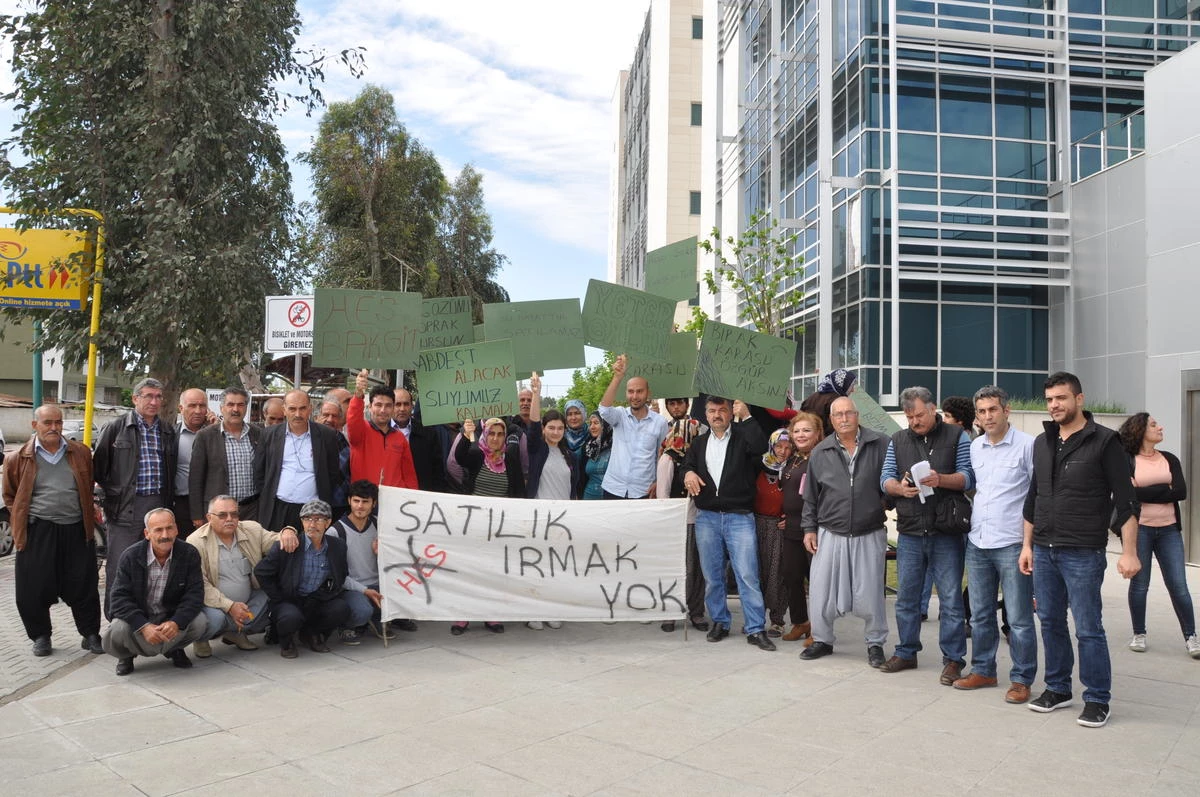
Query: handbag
952 515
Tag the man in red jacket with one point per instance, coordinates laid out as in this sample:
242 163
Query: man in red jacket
379 451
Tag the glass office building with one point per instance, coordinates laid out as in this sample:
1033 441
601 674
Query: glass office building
922 153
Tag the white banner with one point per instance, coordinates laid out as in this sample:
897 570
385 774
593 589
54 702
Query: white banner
463 557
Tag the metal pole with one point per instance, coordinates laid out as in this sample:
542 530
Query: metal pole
37 363
299 360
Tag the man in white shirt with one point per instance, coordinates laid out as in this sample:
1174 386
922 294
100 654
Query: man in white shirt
637 435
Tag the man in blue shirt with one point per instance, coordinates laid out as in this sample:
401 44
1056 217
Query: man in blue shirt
637 435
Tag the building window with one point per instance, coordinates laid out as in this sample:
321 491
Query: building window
697 27
694 203
697 114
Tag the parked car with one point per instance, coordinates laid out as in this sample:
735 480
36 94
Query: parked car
6 538
73 430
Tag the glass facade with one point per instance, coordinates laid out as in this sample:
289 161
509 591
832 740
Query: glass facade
939 188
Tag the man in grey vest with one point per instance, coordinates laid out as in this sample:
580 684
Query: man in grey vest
932 535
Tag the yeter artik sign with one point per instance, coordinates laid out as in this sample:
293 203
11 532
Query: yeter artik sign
454 557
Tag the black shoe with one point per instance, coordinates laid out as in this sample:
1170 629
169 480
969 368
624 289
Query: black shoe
287 648
717 633
403 625
41 646
495 628
125 666
1094 715
272 636
699 623
92 643
316 643
458 630
668 625
1049 700
179 658
816 650
761 641
875 656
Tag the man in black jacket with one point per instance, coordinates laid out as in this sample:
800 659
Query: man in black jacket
720 472
1082 485
305 587
297 462
157 597
429 460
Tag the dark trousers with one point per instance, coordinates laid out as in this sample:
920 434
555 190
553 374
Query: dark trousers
58 562
694 583
283 515
123 531
309 614
183 516
796 561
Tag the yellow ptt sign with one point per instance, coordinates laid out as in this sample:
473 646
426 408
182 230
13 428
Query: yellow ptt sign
44 269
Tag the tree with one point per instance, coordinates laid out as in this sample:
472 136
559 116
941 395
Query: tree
379 196
467 264
588 384
158 115
755 265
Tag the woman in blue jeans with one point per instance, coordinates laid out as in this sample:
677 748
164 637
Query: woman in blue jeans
1159 485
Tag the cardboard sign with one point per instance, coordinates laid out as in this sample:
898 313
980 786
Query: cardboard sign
739 364
446 321
545 334
873 416
671 270
669 378
453 557
366 329
627 321
474 381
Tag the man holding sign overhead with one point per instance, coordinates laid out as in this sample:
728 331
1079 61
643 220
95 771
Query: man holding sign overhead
637 434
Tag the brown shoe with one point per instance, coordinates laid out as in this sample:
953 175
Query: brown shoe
896 664
798 632
950 673
1017 693
974 681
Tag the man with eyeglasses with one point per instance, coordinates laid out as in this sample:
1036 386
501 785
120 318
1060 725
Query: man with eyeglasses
234 603
134 464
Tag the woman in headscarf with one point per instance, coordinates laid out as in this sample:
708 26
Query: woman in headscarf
835 384
575 413
493 469
768 516
596 450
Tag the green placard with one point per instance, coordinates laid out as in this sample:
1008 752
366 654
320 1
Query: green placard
480 333
473 381
366 329
627 321
873 416
670 378
446 322
545 334
739 364
671 270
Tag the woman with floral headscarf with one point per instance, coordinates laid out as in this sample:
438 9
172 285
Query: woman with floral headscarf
575 412
768 514
596 450
835 384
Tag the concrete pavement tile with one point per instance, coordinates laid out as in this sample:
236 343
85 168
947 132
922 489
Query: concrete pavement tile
1184 755
671 777
203 679
96 701
871 693
665 728
1034 772
337 688
495 686
774 763
573 763
322 728
415 705
1157 692
476 779
90 778
492 731
928 741
386 763
175 766
16 719
286 780
1174 784
98 671
241 705
35 752
637 685
833 735
564 707
422 664
135 730
860 774
1144 738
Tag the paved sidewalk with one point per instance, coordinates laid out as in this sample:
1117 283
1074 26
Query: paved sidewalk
598 709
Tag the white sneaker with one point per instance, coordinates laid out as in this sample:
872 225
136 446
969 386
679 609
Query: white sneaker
534 625
1138 643
555 624
1193 646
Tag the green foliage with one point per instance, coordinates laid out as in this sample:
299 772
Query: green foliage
588 384
159 115
755 265
466 263
696 322
379 195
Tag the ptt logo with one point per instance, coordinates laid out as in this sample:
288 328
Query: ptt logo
30 275
12 250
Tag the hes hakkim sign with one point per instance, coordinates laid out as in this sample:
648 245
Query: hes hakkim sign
44 269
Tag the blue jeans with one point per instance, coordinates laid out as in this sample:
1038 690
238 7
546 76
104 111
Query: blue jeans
361 608
943 555
1072 577
716 534
988 568
1166 543
221 623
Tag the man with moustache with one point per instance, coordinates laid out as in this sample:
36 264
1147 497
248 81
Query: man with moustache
296 463
193 417
223 460
423 443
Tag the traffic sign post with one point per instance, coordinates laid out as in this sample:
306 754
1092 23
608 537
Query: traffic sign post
289 328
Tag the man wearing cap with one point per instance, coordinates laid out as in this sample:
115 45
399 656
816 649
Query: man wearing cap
305 587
